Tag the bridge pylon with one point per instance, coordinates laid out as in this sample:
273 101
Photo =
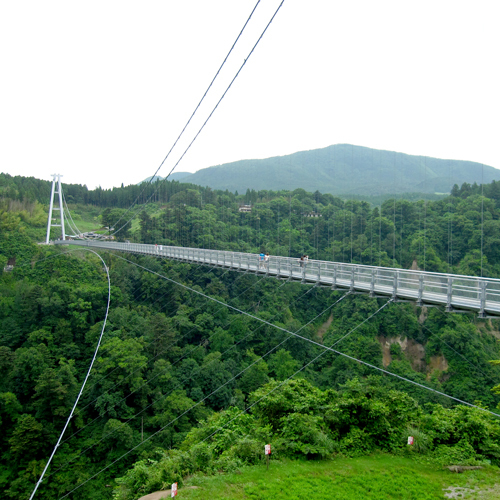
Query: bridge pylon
56 178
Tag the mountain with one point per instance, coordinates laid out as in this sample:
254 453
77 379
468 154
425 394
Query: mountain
151 178
175 176
346 169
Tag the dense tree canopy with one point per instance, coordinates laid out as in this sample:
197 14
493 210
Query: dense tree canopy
174 366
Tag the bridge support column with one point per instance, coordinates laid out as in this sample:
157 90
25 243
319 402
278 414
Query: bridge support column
352 280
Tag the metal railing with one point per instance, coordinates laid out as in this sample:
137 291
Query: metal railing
453 291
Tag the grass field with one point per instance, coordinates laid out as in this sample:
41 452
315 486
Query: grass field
367 478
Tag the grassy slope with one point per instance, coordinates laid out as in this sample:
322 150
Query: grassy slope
367 478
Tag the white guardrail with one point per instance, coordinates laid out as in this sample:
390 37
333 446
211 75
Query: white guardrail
453 291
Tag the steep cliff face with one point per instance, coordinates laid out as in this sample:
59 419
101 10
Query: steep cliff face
415 354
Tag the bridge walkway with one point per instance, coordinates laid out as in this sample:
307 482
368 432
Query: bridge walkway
455 292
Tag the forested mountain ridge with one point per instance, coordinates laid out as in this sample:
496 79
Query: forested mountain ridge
342 169
166 350
345 169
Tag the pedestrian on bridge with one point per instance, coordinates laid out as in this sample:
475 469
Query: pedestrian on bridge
261 259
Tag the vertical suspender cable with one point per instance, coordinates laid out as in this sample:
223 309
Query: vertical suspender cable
452 209
371 229
425 205
482 216
343 235
394 212
380 215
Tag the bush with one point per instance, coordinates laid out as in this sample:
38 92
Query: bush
461 454
201 457
422 443
356 443
249 451
303 435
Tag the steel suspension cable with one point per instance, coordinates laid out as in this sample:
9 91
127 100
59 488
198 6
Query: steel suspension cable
352 358
193 113
218 102
72 223
84 382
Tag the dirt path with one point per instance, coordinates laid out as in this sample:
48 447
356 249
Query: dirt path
324 327
472 493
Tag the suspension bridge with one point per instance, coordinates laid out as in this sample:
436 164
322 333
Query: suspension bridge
455 292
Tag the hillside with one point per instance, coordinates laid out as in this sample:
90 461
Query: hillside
182 386
344 169
377 477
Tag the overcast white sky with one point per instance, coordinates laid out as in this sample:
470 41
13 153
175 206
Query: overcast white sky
99 90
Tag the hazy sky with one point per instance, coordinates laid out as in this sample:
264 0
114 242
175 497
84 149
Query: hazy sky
99 90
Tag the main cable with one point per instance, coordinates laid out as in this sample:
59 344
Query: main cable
192 115
84 382
215 107
78 232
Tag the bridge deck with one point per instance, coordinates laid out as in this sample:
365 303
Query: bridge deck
454 291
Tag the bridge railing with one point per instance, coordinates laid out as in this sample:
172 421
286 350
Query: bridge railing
455 291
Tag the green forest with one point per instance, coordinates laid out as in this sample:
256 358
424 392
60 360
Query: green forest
183 385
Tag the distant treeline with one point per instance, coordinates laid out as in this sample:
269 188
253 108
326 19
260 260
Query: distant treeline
29 189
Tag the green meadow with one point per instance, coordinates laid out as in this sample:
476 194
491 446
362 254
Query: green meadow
377 477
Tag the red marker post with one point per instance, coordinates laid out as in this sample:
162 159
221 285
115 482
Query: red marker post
174 490
267 450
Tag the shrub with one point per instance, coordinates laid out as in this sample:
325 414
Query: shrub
249 451
201 457
303 435
357 442
422 443
460 454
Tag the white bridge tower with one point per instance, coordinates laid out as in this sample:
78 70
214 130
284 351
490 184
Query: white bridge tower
60 221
